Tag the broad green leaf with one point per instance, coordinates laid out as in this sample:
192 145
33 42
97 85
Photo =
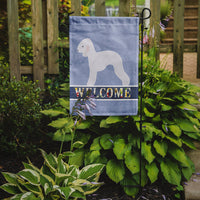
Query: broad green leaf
119 148
160 147
179 154
128 184
186 125
132 161
150 102
147 152
95 146
106 141
115 170
174 87
188 142
165 107
153 171
10 188
59 135
78 157
10 177
30 175
84 125
90 171
103 124
174 140
191 100
64 103
175 130
193 119
148 114
92 157
171 172
193 135
185 106
62 122
114 119
78 144
188 171
52 112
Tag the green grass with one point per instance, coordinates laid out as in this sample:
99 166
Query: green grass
140 2
112 3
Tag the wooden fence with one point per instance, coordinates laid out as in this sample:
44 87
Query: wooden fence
45 34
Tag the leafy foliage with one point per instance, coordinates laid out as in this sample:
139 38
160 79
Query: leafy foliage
54 180
20 107
170 123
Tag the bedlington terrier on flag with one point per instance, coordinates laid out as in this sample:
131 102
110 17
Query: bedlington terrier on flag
98 61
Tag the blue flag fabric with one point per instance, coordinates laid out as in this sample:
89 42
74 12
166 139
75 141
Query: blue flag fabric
104 59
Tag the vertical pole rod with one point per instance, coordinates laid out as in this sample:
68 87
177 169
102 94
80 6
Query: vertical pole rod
141 107
141 83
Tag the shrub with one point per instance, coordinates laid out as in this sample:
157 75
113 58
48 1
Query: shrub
170 123
19 112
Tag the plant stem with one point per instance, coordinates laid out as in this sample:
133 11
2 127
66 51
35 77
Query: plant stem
61 145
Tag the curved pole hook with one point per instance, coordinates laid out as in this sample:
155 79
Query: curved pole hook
143 18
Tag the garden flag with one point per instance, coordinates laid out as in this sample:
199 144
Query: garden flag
104 60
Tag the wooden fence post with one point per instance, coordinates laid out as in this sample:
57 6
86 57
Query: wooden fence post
76 7
52 37
100 8
37 38
178 47
155 27
198 44
14 44
124 8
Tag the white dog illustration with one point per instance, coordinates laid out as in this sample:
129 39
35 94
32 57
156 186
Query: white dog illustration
98 61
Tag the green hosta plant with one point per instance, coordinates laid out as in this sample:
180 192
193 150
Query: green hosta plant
54 180
170 122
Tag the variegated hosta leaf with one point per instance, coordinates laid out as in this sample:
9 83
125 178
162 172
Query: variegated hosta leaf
92 171
10 177
30 175
10 188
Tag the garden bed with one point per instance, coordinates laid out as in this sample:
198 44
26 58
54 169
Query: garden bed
109 191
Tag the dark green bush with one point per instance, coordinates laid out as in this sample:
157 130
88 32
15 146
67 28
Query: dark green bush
170 123
20 107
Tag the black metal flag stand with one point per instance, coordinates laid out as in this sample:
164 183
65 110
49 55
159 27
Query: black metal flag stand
141 84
